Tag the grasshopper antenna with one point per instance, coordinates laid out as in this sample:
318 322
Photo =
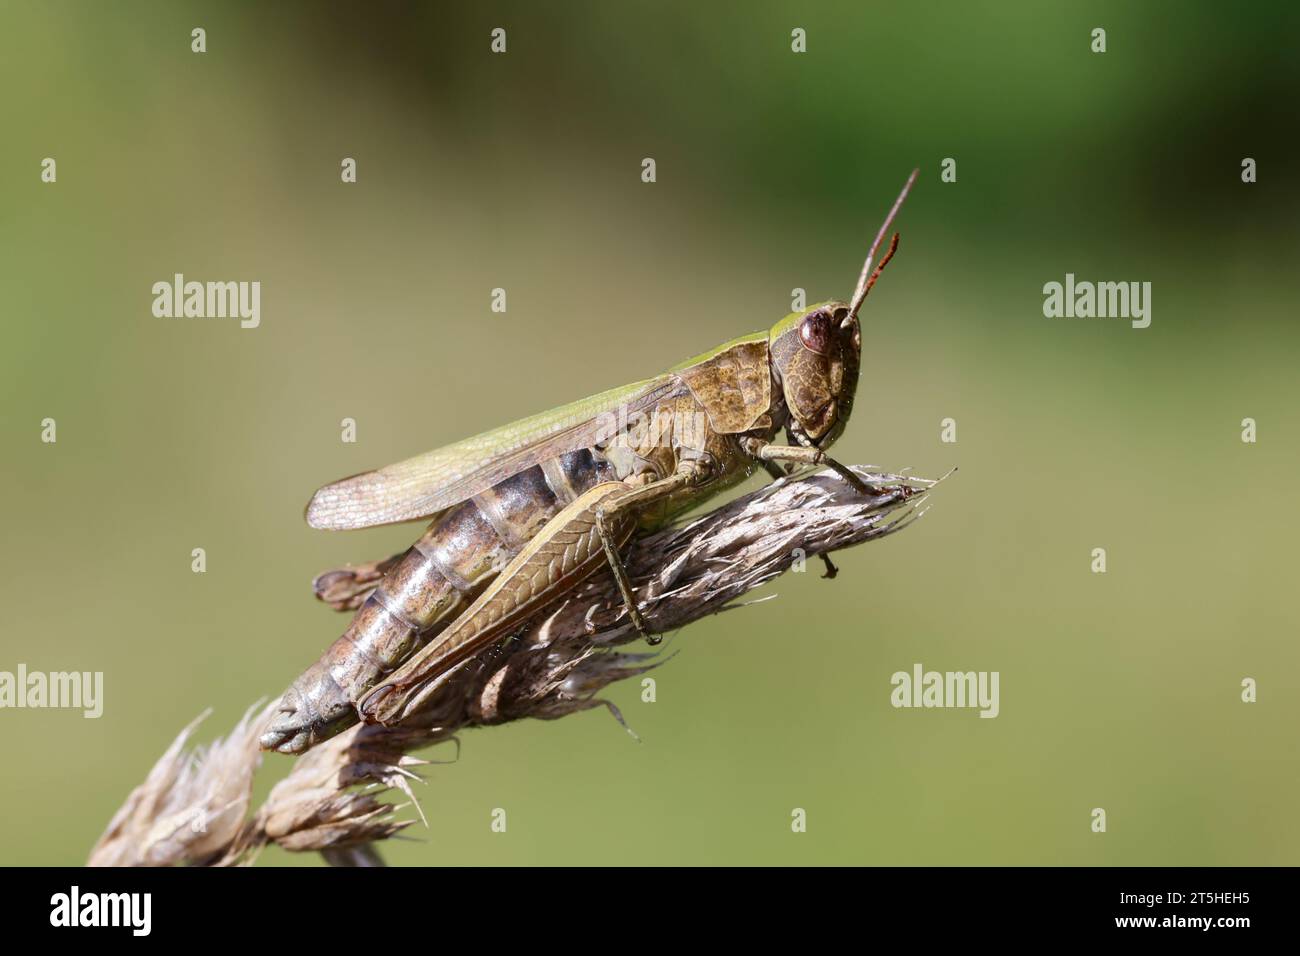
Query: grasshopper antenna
868 278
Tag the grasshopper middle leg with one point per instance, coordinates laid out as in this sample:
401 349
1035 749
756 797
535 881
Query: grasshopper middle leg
809 455
642 497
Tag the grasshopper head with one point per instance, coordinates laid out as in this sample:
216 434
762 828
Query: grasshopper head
816 355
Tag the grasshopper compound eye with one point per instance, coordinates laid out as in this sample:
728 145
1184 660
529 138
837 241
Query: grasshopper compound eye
816 333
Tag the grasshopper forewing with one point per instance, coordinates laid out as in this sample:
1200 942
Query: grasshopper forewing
420 487
672 442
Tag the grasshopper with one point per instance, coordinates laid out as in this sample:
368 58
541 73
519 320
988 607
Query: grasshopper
521 515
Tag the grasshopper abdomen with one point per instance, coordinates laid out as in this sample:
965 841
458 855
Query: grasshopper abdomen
434 581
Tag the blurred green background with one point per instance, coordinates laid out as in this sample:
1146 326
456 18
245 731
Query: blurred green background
522 171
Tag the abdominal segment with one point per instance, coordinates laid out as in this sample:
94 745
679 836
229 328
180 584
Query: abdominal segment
437 578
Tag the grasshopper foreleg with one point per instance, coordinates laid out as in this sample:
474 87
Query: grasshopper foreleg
809 455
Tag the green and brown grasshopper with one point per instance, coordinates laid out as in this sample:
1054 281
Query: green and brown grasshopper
523 514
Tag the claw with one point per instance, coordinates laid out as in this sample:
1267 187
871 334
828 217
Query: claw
831 569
